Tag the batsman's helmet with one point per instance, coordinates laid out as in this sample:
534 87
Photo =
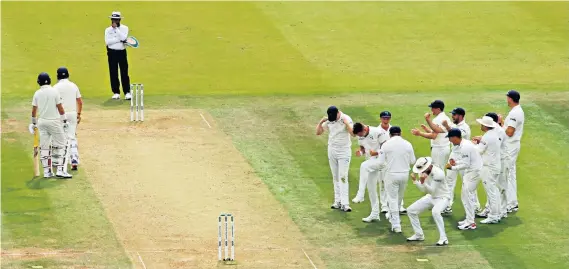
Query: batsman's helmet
62 73
44 79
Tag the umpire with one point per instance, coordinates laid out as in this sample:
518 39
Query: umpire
115 38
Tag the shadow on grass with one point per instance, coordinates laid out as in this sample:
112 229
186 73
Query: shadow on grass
38 183
114 103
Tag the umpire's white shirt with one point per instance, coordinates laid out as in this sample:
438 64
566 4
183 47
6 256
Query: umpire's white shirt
441 141
113 37
397 155
69 93
338 135
46 100
371 141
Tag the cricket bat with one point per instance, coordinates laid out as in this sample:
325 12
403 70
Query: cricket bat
36 153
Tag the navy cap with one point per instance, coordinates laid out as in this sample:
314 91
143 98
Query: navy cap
454 132
385 114
62 73
459 111
492 115
394 130
515 95
438 104
332 113
44 79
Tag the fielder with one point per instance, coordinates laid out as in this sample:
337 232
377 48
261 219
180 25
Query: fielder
51 125
73 104
396 156
464 156
431 181
514 127
369 142
489 146
339 126
437 133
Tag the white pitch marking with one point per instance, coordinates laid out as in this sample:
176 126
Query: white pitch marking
141 261
205 120
310 260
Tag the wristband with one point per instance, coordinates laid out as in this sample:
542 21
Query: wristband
34 120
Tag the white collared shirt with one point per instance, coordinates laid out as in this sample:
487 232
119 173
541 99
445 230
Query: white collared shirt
464 129
113 37
384 134
490 147
435 184
371 141
46 100
466 156
69 93
338 134
396 155
515 119
441 140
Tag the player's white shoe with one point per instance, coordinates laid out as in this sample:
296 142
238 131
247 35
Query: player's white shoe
490 221
336 206
461 222
402 211
358 200
346 208
483 214
371 218
396 230
504 216
116 96
416 237
63 175
442 242
47 174
127 96
467 226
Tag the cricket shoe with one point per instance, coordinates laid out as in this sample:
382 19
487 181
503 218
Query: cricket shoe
483 213
442 242
63 175
396 230
336 206
447 210
504 216
371 218
116 96
490 221
74 165
416 237
346 208
127 96
402 211
513 209
47 174
358 200
467 226
461 222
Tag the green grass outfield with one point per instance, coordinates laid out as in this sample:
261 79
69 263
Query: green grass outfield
267 71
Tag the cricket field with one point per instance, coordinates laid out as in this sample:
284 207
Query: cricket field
233 92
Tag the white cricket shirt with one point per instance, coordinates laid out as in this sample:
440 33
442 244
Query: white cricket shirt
466 156
69 93
490 147
113 37
503 136
47 99
384 134
435 184
464 129
371 141
515 119
396 155
338 135
441 140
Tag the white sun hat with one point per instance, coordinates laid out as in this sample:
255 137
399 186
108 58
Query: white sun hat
487 121
422 164
116 15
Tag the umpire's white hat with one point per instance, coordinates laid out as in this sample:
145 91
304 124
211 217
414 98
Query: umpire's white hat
116 15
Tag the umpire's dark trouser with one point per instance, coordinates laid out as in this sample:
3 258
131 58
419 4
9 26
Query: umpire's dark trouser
118 58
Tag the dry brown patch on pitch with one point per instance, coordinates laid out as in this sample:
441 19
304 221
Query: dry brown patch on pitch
164 182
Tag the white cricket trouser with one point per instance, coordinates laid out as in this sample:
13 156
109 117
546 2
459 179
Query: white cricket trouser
512 151
72 135
367 168
383 194
440 156
395 184
490 182
469 185
427 202
452 177
52 134
339 160
503 187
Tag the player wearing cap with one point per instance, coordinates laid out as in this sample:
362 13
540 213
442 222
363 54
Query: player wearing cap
489 147
73 105
51 124
436 132
514 127
431 181
368 140
396 156
457 122
385 117
464 156
339 126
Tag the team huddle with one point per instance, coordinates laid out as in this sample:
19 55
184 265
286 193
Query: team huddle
56 111
490 158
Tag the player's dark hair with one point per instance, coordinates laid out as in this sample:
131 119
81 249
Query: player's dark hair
358 127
